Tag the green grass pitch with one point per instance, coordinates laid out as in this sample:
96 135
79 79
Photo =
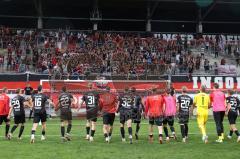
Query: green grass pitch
79 148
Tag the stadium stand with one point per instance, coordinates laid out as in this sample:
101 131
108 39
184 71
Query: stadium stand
78 52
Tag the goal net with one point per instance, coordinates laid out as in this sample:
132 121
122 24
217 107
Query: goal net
78 87
116 85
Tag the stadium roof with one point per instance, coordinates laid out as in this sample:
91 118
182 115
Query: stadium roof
166 15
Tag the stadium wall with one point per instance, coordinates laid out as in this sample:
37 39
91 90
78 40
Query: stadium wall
14 81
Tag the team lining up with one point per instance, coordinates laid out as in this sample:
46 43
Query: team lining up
160 109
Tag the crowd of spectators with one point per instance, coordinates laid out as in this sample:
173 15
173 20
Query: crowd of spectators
77 53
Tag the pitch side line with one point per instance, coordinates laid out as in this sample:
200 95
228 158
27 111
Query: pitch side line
98 134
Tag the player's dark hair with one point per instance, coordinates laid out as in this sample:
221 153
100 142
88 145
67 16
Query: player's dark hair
168 90
203 88
35 92
108 88
154 90
133 89
126 89
230 92
184 89
216 85
18 91
4 89
39 88
64 88
90 85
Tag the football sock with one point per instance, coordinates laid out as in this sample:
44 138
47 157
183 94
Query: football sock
165 130
186 129
105 135
236 132
69 127
7 129
182 130
222 134
151 136
88 130
230 133
43 132
220 137
21 131
160 135
130 131
92 132
203 130
172 129
137 128
110 132
33 132
62 131
13 128
122 132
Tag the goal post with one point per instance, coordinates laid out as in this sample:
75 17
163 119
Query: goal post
78 87
115 85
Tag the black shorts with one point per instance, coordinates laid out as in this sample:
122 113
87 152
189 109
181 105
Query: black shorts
125 115
40 117
4 118
183 118
66 116
19 119
232 117
91 117
156 121
168 120
136 116
108 118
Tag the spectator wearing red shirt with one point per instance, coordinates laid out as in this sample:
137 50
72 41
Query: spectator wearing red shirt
154 110
4 109
108 107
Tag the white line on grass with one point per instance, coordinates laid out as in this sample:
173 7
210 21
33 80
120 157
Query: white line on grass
99 134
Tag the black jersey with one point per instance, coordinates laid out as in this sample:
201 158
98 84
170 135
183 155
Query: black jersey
65 102
138 103
17 104
28 90
126 101
234 103
185 102
39 102
91 99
